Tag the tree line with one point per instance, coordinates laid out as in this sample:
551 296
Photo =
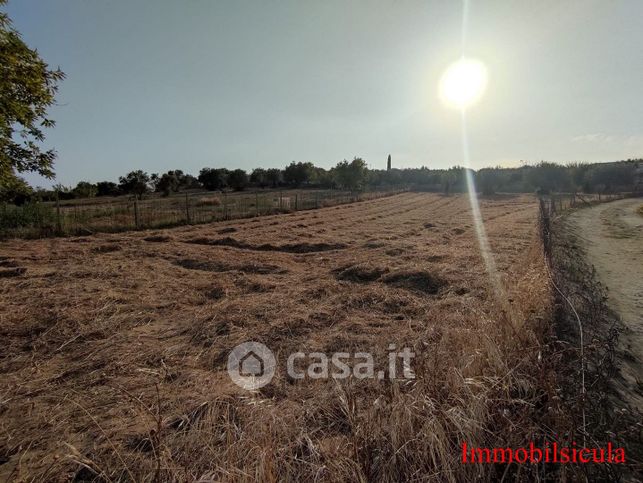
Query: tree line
543 177
349 175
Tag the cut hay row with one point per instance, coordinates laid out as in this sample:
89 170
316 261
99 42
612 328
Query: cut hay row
115 346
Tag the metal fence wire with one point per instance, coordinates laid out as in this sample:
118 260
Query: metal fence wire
86 216
554 204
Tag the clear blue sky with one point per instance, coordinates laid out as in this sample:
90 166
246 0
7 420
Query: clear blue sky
162 84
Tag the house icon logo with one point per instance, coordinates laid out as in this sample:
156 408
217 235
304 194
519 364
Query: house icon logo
251 365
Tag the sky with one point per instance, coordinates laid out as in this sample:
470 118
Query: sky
183 84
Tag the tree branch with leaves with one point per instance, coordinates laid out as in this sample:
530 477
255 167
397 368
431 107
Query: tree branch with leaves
27 89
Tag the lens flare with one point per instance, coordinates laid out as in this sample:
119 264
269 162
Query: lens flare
478 222
463 83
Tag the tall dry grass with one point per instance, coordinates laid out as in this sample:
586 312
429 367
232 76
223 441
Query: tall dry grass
115 360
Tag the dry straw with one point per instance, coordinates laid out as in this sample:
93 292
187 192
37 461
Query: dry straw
114 358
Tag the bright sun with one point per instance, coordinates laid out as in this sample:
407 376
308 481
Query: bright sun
463 83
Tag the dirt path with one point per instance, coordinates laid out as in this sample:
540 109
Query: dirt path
613 236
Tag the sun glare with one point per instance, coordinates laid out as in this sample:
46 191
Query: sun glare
463 83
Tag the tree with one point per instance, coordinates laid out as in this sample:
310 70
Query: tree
488 180
62 192
273 176
168 183
173 181
259 177
27 89
135 183
187 181
578 174
323 178
107 188
238 179
453 180
351 175
546 177
15 190
85 189
613 177
154 181
213 179
297 174
179 176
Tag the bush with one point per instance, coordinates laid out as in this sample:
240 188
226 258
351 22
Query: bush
28 215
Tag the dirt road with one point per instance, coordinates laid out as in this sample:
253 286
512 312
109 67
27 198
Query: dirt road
613 237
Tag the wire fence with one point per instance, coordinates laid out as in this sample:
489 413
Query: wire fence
551 205
78 217
560 202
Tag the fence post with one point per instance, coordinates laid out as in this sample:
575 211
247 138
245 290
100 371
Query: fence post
296 201
136 218
59 225
281 199
187 208
545 228
257 203
225 205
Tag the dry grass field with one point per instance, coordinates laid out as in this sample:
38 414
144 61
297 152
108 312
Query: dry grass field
114 353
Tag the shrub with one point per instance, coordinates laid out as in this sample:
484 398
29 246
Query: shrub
30 214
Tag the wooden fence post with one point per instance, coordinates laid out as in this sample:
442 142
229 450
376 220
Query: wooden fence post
187 208
137 222
296 201
257 203
59 225
225 205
